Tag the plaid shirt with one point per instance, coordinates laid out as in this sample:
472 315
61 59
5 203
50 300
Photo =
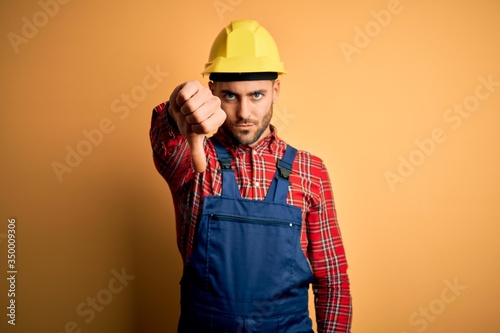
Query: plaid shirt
255 167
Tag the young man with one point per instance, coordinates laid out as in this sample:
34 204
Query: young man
256 221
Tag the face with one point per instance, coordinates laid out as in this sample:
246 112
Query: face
249 108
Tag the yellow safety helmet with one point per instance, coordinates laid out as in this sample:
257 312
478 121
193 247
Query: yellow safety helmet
244 46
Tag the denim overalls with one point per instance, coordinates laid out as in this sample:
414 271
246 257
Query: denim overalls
247 272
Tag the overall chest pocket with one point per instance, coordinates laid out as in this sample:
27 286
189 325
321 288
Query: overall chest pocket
250 259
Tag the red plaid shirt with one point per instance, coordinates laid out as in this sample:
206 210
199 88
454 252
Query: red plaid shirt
255 167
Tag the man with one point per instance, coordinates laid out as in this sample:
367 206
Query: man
256 221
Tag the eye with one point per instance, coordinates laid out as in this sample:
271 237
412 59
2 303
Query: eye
257 95
230 96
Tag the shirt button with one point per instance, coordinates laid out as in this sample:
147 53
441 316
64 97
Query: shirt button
254 152
257 184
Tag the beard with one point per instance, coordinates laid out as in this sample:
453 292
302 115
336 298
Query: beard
248 137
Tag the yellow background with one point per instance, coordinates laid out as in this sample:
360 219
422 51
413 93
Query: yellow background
362 111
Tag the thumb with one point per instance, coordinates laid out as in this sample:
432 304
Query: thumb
198 156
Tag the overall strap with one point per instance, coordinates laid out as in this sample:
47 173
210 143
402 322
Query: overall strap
279 187
229 187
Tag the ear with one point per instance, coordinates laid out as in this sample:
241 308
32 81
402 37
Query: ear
211 85
276 90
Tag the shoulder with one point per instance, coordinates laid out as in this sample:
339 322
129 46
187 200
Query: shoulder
303 158
308 166
306 157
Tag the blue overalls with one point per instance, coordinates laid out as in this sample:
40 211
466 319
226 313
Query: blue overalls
247 272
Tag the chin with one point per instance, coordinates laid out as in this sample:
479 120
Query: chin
244 138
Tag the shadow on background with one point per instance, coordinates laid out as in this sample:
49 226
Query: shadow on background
157 263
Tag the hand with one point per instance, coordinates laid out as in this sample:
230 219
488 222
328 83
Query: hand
197 113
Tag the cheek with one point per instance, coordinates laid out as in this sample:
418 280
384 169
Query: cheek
229 110
264 109
225 106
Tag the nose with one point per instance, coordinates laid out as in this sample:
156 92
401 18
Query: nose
244 108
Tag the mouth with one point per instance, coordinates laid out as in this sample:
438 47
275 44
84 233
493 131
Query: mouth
244 123
243 126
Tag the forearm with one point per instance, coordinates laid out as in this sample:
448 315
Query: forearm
331 285
333 305
171 153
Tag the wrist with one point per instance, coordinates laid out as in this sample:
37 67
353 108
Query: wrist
170 117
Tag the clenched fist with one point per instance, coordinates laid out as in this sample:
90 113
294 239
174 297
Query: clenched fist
197 113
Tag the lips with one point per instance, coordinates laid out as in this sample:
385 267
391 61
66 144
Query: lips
244 125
